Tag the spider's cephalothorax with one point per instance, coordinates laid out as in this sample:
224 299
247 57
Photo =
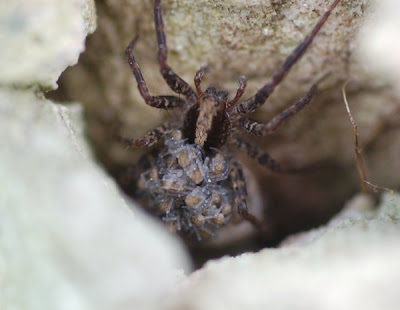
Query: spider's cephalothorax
207 122
188 181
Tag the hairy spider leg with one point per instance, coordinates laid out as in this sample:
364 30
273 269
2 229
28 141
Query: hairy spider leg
197 79
176 83
149 139
160 102
262 95
259 129
263 158
240 193
239 92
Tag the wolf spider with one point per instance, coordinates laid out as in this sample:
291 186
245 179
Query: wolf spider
179 180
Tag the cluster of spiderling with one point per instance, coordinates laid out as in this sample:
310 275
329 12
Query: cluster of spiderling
188 190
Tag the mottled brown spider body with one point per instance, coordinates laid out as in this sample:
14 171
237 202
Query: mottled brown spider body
189 182
207 122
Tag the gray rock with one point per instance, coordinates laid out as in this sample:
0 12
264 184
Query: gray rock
380 45
352 263
40 39
68 239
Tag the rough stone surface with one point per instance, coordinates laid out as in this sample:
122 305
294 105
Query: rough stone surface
352 263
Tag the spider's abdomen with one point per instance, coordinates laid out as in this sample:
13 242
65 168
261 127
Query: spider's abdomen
207 124
189 191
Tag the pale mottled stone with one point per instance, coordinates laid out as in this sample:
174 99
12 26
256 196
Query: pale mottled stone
68 239
40 39
380 44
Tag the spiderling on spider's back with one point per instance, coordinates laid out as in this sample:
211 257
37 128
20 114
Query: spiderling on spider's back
193 182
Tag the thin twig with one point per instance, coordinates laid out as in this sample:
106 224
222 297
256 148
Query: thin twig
377 187
357 149
357 152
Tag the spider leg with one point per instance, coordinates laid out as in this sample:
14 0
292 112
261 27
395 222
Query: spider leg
262 157
240 193
259 129
262 95
161 102
197 79
150 138
239 92
176 83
